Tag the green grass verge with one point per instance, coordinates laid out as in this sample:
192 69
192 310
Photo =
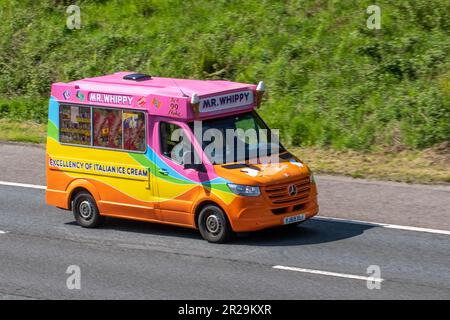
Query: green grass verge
22 131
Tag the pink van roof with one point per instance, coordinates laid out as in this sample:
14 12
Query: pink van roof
157 95
161 86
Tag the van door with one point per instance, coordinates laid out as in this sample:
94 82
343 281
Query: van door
177 188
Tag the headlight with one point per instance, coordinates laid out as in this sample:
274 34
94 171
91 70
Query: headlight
250 191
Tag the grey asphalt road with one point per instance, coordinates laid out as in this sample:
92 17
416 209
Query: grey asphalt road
135 260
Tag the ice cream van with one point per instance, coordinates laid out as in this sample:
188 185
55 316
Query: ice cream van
173 151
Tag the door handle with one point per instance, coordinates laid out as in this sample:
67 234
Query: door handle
164 172
149 181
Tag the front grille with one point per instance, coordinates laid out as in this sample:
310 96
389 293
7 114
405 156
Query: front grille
278 194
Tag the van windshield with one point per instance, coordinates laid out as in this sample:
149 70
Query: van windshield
236 138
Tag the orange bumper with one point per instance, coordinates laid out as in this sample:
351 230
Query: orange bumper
252 214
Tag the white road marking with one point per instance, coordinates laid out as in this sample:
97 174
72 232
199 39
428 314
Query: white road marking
365 223
327 273
23 185
383 225
3 232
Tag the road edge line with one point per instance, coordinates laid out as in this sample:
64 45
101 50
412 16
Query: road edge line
23 185
383 225
328 273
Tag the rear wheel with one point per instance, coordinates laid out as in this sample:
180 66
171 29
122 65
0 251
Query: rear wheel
214 225
85 211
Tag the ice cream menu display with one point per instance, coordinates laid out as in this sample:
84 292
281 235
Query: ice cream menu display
75 125
134 131
108 128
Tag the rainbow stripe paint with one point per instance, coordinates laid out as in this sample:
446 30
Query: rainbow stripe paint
175 184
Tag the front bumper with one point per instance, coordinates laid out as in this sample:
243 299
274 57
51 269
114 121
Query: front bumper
256 214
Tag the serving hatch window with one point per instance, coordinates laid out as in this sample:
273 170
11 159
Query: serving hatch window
108 128
133 131
103 127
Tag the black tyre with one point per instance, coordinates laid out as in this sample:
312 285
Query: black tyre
85 211
214 225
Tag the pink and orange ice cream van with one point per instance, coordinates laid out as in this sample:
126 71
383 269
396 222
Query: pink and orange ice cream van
172 151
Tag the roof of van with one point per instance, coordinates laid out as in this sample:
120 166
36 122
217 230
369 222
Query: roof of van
167 97
156 85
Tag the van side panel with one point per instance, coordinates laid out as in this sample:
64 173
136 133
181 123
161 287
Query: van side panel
123 183
119 183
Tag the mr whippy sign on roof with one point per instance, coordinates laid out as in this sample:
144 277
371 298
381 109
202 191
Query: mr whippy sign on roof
175 98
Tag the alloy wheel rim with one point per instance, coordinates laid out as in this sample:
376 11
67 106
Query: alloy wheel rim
213 224
85 209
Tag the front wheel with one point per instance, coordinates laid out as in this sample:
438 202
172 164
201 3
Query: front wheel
85 211
214 225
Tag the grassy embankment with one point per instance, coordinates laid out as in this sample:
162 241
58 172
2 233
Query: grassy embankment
355 101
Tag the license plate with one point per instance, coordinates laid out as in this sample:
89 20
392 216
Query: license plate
294 219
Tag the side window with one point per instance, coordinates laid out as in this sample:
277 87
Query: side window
108 128
172 142
75 125
170 137
134 131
